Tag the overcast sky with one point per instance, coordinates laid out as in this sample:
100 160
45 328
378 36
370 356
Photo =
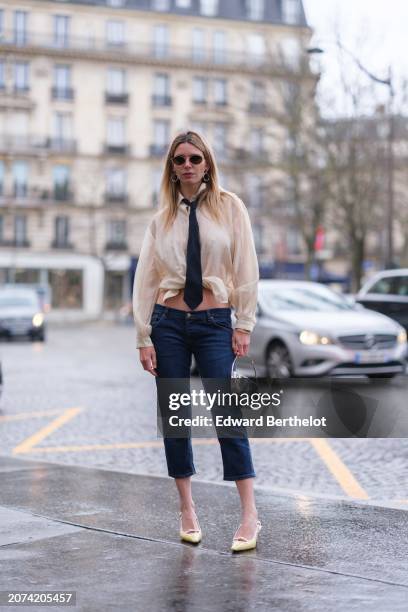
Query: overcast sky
374 30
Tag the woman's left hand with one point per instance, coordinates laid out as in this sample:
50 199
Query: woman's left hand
240 342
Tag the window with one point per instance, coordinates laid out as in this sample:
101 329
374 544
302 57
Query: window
61 231
161 133
209 8
20 178
198 45
115 33
62 82
290 11
116 182
1 230
161 95
256 49
161 5
115 3
401 285
219 47
257 97
21 76
116 81
220 92
20 122
1 22
383 286
156 182
20 230
290 51
61 180
161 40
183 4
200 90
116 232
1 178
20 27
116 131
61 130
2 75
255 9
61 30
255 191
220 139
256 141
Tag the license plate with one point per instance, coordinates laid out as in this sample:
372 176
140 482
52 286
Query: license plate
371 357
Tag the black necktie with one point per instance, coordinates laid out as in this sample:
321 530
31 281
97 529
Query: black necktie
193 291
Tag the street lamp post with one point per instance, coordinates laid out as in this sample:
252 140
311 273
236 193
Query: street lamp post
389 259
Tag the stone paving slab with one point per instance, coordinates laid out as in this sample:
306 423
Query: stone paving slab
124 551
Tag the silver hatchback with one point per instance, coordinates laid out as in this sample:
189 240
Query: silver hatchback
305 329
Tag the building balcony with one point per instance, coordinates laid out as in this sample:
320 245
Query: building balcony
161 100
61 145
62 93
58 244
116 198
63 194
116 149
24 197
21 90
116 98
16 243
157 150
145 53
258 108
116 246
23 145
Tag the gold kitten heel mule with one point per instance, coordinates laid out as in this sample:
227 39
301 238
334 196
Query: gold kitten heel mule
194 536
240 544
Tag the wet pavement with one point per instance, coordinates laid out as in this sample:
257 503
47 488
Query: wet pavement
112 537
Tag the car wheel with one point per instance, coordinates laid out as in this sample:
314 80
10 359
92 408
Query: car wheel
278 362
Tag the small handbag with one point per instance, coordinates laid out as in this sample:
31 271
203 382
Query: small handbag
241 383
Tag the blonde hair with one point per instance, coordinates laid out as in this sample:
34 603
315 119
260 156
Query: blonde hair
169 190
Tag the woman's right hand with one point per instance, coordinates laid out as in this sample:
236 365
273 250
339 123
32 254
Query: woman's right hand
148 359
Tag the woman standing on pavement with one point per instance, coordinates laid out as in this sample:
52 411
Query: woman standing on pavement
198 260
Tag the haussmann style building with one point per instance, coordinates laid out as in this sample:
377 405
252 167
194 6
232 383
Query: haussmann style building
92 92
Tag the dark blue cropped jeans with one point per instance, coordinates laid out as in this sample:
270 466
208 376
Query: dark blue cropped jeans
206 334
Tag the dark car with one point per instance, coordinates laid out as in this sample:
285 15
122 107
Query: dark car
20 314
387 292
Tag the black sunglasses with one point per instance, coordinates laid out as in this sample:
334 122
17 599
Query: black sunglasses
179 160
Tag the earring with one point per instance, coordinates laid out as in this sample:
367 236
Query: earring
206 177
174 178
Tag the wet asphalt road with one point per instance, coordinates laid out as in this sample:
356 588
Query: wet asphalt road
82 398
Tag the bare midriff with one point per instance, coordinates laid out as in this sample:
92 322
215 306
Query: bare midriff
178 302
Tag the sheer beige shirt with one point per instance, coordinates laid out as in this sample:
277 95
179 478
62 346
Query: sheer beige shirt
228 260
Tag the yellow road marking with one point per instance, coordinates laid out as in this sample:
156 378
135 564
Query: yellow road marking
27 445
20 416
339 470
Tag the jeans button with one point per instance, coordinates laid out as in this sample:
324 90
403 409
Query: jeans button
188 315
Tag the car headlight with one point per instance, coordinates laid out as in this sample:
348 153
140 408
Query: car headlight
402 336
312 338
38 319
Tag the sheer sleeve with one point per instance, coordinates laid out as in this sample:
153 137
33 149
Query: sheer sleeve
245 269
145 287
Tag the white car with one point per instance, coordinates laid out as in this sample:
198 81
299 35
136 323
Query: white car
305 329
